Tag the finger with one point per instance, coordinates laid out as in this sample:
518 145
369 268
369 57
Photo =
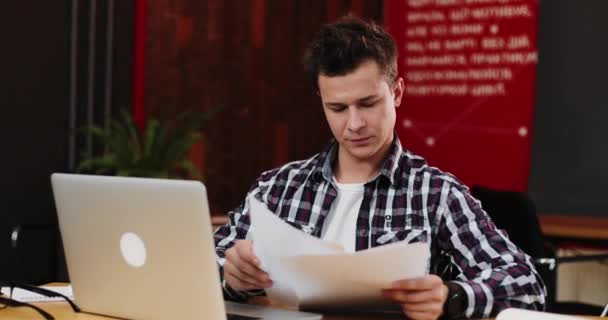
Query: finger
245 252
236 283
254 272
239 285
251 271
395 295
239 281
235 271
232 254
420 296
254 281
238 255
422 283
424 307
421 315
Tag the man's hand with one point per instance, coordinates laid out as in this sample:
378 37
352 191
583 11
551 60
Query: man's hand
242 268
420 298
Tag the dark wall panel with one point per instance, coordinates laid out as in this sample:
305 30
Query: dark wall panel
570 150
35 70
37 122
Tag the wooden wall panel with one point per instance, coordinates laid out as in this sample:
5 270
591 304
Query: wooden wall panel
244 56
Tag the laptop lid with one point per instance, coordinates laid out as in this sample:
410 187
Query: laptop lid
139 248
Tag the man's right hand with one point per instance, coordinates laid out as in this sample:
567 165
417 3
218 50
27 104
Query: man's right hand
242 268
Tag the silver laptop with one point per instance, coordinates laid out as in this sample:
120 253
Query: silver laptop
143 249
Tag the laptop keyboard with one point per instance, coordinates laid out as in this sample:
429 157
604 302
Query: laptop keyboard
231 316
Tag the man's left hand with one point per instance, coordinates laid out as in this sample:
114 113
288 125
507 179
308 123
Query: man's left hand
420 298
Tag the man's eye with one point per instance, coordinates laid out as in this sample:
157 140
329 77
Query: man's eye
338 109
369 104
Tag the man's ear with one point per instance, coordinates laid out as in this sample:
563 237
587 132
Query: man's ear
398 91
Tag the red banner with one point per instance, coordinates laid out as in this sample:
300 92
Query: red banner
469 68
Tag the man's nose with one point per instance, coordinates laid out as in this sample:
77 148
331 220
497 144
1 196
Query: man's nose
355 119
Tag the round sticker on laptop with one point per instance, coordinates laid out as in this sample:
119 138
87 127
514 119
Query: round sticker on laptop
133 249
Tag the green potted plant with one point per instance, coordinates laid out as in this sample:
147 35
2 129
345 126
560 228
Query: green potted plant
159 150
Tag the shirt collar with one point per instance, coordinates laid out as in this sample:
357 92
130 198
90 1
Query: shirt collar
390 165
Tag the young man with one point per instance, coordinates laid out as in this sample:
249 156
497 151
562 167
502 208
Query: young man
365 190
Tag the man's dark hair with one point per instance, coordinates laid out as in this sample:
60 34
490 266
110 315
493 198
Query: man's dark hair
340 47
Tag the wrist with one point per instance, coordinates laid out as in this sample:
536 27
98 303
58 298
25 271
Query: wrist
456 302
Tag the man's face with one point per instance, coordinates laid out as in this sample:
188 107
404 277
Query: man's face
360 109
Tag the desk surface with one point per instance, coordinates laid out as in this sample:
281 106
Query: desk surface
582 227
62 311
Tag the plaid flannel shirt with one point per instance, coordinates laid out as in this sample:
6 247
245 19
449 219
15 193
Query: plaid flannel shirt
407 201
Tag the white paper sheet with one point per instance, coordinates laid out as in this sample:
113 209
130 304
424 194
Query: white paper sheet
28 296
521 314
273 239
315 274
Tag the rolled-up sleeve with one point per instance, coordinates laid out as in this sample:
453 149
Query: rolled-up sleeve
493 272
237 228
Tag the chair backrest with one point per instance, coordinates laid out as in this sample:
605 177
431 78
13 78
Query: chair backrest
33 254
516 214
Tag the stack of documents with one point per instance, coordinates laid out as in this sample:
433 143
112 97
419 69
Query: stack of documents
310 273
28 296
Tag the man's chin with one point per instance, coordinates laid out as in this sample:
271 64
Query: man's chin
362 154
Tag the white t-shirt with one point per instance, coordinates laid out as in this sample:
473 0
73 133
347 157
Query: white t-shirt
341 223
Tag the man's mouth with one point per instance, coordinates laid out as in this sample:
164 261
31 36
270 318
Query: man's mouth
359 140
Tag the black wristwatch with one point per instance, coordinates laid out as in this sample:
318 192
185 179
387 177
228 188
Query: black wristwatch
456 302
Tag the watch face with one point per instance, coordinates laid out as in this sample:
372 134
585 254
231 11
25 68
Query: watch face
457 302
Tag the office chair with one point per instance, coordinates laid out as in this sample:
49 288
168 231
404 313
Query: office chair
515 213
34 254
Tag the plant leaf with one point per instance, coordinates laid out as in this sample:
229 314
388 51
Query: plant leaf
192 170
